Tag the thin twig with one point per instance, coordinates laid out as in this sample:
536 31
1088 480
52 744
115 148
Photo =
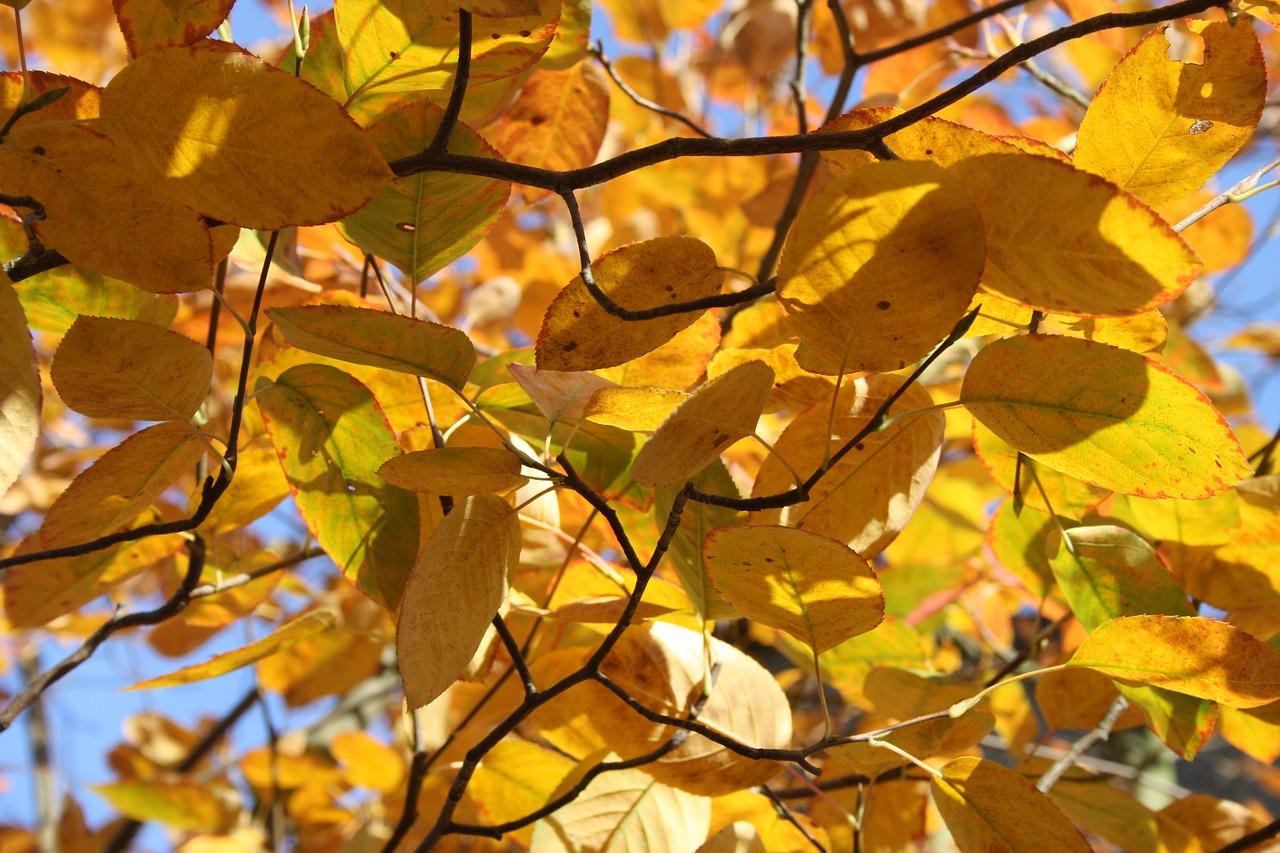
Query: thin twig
1253 839
1227 196
513 650
1099 733
789 817
597 51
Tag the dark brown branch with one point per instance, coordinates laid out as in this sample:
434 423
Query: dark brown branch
598 52
1253 839
462 73
517 658
790 818
865 139
172 607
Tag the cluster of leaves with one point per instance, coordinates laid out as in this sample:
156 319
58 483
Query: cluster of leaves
778 384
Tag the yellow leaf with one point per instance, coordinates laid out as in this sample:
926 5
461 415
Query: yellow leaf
1145 332
368 763
1078 699
559 395
282 639
379 339
457 471
941 737
99 211
1041 487
517 778
20 396
1192 655
423 222
148 24
266 769
625 811
1160 127
679 363
557 122
934 139
738 837
1215 822
1093 232
1119 818
121 484
685 552
500 8
713 417
794 387
1221 239
577 334
879 266
992 809
188 806
331 438
1212 521
1018 542
1103 415
405 46
457 586
108 368
814 588
79 102
632 409
223 133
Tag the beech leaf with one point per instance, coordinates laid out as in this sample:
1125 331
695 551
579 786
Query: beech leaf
379 339
814 588
223 133
457 471
457 586
713 417
148 24
107 368
1107 416
20 395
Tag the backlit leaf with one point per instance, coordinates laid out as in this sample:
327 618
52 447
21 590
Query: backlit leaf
282 639
191 806
413 46
928 739
992 809
109 368
98 211
869 495
577 334
934 139
558 395
1192 655
424 222
1041 487
79 102
20 395
879 267
1103 415
457 471
1046 256
379 339
625 811
699 519
558 121
516 778
331 438
632 409
814 588
148 24
456 588
222 132
713 417
1138 130
124 482
1119 818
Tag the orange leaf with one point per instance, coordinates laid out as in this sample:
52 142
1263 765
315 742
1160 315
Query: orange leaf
20 395
148 24
457 471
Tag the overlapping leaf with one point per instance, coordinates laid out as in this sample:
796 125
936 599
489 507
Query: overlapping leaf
426 221
223 133
457 471
379 339
108 368
456 588
331 438
1160 127
879 267
578 334
1103 415
20 395
814 588
148 24
713 417
1051 256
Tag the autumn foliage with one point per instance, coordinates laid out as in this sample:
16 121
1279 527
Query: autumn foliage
657 427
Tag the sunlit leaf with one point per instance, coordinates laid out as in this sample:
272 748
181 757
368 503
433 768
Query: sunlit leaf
1040 487
456 588
1119 818
331 438
148 24
191 806
282 639
934 139
1103 415
814 588
121 484
413 46
1192 655
558 395
990 808
379 339
879 267
222 132
20 395
1079 699
424 222
1160 127
1043 256
457 471
578 334
109 368
632 409
98 211
697 520
713 417
868 496
367 762
516 778
929 739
